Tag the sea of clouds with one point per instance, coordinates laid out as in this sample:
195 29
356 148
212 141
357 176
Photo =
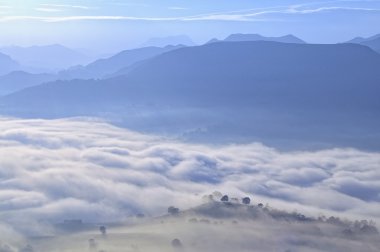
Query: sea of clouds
52 170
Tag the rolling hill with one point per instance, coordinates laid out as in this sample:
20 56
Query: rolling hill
372 42
103 67
238 37
7 64
45 58
245 90
19 80
171 40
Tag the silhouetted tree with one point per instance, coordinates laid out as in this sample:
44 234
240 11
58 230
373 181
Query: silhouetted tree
206 221
176 243
367 229
103 230
246 201
348 233
224 198
173 210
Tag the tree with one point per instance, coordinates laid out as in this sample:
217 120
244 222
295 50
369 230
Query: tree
224 198
176 243
173 210
103 230
246 201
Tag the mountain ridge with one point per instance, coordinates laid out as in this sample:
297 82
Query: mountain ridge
240 37
107 66
233 90
7 64
372 42
45 57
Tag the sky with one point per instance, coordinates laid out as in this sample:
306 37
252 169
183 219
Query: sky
111 25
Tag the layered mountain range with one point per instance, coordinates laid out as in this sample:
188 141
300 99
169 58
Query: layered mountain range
247 89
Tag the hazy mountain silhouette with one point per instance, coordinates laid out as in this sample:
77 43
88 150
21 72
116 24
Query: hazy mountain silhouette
7 64
252 90
372 42
257 37
103 67
359 40
171 40
18 80
49 57
356 40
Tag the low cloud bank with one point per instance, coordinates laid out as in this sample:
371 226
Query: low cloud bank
52 170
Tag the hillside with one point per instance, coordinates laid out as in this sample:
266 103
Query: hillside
238 37
7 64
372 42
18 80
272 85
45 58
212 227
103 67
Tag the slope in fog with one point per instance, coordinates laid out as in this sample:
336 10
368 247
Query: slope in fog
7 64
232 90
45 58
18 80
103 67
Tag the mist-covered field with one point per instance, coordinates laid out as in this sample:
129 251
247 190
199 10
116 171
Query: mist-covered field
63 179
189 126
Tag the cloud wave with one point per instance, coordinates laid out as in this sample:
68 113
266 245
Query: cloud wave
87 169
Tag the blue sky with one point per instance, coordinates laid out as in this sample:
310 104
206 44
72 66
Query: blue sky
110 25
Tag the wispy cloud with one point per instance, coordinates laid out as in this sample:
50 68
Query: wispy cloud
131 4
43 9
247 15
250 15
67 6
177 8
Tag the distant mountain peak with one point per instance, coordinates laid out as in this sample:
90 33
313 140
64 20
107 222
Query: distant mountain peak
356 40
372 42
7 64
47 57
257 37
214 40
170 40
